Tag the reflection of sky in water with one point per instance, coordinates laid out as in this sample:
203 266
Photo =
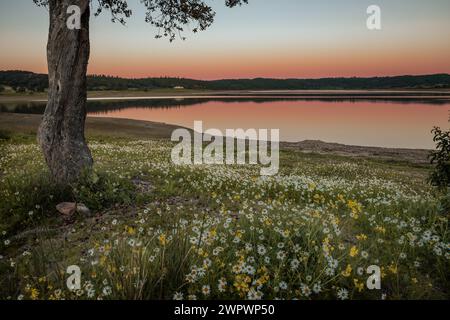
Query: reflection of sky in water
387 123
369 123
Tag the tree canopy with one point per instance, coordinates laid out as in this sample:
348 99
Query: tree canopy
39 82
169 16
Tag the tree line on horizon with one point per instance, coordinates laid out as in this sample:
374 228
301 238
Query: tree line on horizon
24 81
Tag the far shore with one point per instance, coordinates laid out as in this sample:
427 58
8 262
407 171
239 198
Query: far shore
392 94
27 124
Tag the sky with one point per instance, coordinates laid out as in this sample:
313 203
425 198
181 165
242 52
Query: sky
267 38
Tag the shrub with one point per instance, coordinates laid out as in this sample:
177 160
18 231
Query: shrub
440 158
29 197
444 206
5 135
99 190
26 197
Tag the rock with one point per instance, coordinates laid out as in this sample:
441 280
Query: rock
67 208
82 209
143 186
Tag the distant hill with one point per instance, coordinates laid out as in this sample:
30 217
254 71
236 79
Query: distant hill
22 81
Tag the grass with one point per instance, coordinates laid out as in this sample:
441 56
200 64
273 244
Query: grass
159 231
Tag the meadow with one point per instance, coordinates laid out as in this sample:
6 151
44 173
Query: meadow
160 231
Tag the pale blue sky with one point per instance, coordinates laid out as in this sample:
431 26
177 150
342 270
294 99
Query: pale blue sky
252 40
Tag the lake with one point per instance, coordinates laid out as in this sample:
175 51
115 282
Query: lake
399 123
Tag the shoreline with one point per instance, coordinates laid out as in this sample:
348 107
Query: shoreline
431 94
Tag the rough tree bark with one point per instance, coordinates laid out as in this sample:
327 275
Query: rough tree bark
61 133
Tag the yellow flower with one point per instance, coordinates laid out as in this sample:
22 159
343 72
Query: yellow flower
393 269
355 207
348 271
326 246
111 268
317 198
354 251
361 237
380 229
241 283
316 214
262 280
130 230
162 239
263 269
358 285
336 220
34 293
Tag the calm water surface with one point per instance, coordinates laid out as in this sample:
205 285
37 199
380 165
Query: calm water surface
365 123
391 122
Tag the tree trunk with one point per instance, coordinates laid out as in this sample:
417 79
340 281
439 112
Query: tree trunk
61 133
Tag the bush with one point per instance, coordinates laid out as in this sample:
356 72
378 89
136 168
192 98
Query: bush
444 203
5 135
26 198
99 190
440 158
29 197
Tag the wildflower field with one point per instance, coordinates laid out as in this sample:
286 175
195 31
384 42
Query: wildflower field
159 231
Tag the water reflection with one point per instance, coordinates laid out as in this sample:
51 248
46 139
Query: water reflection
386 122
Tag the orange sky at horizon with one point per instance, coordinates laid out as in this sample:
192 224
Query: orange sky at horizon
282 39
268 65
264 65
